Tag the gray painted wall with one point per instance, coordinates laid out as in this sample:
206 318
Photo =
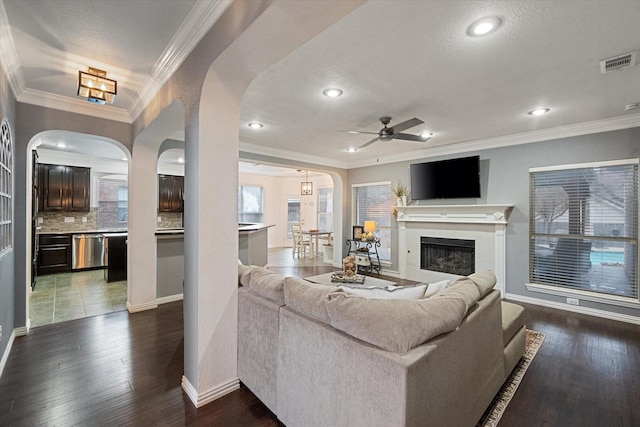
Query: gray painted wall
7 272
505 179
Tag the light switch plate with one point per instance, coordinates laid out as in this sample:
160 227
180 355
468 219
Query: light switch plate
84 219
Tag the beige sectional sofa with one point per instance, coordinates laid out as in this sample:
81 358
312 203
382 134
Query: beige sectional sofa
317 356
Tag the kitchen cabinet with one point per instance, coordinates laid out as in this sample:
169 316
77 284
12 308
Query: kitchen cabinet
54 253
116 257
170 193
64 188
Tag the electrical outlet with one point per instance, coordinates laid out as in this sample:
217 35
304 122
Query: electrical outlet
573 301
159 219
84 219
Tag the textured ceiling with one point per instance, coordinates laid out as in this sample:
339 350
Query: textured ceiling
401 59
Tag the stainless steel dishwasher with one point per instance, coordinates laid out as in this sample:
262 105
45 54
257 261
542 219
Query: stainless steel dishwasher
87 251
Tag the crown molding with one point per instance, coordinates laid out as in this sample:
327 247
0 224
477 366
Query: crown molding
585 128
73 105
8 54
195 26
291 155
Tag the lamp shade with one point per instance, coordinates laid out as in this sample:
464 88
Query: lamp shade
369 226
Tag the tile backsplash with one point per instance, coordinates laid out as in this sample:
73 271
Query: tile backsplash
170 220
60 221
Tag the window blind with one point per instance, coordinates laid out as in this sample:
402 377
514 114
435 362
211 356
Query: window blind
372 202
249 204
584 227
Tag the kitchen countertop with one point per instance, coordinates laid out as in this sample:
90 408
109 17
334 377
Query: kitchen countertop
83 232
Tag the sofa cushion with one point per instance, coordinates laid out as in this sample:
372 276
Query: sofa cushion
394 325
512 320
435 287
462 288
388 292
266 283
307 298
242 269
485 281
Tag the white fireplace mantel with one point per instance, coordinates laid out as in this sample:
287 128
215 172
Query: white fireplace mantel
485 214
486 224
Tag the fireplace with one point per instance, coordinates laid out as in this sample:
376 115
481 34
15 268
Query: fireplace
453 256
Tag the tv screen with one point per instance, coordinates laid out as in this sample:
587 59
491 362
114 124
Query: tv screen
446 179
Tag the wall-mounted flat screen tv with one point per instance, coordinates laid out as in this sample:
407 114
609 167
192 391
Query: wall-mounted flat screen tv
446 179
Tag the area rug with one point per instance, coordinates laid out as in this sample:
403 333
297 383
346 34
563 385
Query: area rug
502 399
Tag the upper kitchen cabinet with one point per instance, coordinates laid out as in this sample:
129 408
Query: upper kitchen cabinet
64 188
170 193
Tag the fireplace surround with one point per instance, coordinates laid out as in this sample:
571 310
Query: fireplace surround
454 256
484 224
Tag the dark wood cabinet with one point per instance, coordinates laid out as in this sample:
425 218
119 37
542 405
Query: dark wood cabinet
64 188
116 257
170 193
54 253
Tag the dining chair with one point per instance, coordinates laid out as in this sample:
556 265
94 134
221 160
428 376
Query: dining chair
301 246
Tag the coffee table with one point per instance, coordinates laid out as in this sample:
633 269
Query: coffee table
325 279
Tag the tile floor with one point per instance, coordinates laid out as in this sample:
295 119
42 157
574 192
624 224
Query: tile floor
67 296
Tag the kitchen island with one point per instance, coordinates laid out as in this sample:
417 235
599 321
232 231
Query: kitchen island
253 245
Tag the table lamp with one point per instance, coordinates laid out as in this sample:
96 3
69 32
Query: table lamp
369 228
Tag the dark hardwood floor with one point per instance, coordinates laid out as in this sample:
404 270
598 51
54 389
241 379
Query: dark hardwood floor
125 369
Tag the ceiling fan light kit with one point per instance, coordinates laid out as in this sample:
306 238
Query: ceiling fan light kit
484 26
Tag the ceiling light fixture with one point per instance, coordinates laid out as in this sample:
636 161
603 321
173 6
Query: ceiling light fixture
332 92
426 134
306 187
96 87
255 125
180 160
539 111
351 150
61 145
484 26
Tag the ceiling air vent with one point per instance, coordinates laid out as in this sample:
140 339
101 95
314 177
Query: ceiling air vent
618 63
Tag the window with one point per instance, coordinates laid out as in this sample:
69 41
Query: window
372 202
325 208
584 227
249 204
6 189
113 204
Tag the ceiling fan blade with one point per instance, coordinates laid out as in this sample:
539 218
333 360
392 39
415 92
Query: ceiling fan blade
357 131
407 125
369 143
409 137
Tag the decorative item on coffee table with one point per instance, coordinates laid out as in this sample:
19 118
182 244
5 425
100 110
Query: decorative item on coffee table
349 273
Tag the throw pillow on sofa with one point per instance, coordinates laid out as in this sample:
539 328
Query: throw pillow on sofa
389 292
435 287
394 325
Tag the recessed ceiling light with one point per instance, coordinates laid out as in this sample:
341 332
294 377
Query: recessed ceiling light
124 159
180 160
332 92
61 144
539 111
255 125
351 150
484 26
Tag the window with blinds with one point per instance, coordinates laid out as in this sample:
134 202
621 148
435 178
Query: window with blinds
584 227
372 202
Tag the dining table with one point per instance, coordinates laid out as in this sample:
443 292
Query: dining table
318 234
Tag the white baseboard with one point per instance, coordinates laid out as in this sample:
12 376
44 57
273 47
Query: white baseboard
210 395
141 307
5 355
575 309
170 298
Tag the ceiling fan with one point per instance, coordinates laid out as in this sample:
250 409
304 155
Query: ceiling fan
389 133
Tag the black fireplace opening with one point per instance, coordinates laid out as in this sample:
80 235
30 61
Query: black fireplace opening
453 256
